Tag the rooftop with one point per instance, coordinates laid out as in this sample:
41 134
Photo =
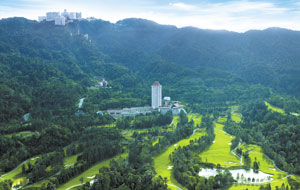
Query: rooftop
156 83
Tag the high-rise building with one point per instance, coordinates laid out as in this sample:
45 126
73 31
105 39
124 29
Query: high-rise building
156 95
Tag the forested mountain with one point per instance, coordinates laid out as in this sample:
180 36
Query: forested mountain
45 70
188 61
269 57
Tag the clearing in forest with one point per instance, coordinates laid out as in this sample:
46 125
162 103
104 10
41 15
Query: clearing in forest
273 108
88 174
219 151
265 165
24 134
175 120
70 160
196 118
236 117
163 165
15 173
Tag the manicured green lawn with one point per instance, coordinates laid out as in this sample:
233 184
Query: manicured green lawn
219 151
88 174
22 181
256 187
16 174
273 108
13 174
265 165
107 125
157 140
236 117
24 134
127 133
162 162
196 117
234 107
222 120
71 159
175 120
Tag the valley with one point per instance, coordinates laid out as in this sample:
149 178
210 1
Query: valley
138 105
219 153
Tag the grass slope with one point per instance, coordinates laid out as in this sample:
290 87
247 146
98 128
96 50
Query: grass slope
219 151
273 108
15 173
175 120
196 118
88 174
70 160
266 166
162 162
236 117
23 134
20 181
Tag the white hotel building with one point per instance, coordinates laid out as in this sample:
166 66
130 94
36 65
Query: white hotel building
156 95
60 18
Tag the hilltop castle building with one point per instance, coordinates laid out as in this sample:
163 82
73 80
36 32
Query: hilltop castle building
156 95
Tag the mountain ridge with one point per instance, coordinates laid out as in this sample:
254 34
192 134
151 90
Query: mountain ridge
133 56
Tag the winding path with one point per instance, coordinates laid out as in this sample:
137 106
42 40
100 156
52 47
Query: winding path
276 166
74 186
174 186
233 152
273 162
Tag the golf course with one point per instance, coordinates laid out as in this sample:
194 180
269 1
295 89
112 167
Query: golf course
162 163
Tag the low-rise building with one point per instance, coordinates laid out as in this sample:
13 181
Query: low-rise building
130 112
177 110
174 108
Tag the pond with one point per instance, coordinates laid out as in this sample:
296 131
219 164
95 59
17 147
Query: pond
240 175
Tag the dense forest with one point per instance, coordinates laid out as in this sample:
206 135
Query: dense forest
45 70
275 132
39 57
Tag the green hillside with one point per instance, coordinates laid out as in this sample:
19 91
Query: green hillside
240 92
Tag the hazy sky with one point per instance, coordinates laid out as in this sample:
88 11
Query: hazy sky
207 14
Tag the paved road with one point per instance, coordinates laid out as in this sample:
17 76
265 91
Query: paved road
91 183
74 186
233 152
175 186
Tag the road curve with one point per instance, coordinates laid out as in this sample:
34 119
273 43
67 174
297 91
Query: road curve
175 186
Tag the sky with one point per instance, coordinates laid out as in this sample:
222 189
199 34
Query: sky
239 16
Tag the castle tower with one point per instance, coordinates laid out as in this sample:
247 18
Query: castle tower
156 95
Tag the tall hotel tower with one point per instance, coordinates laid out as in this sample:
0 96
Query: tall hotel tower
156 95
